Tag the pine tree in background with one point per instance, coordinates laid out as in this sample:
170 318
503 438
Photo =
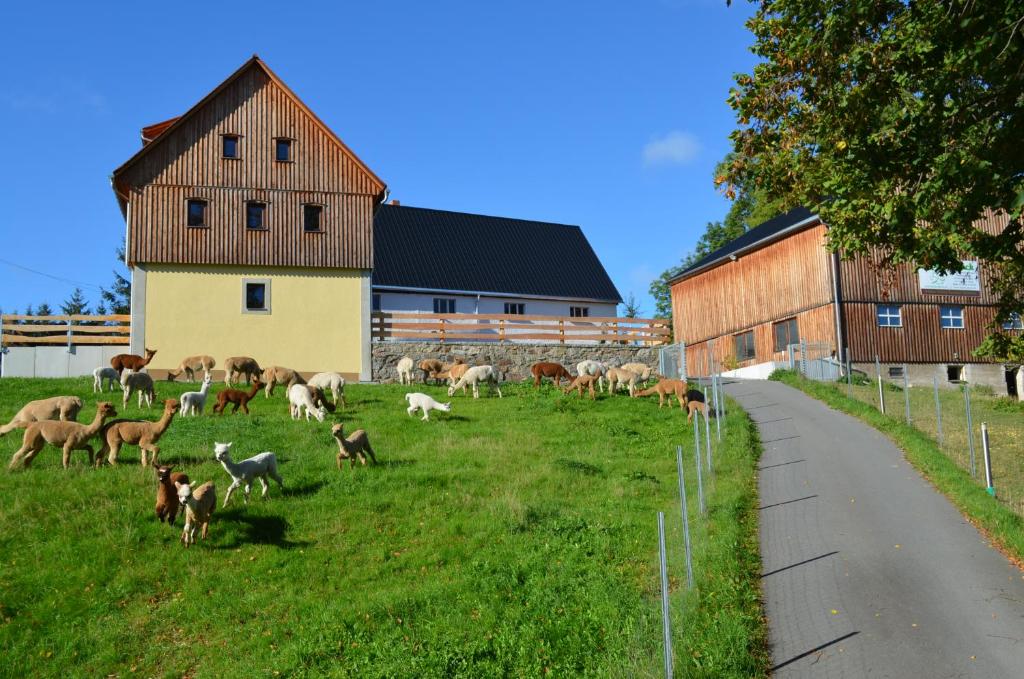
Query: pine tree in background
118 299
44 310
76 304
631 307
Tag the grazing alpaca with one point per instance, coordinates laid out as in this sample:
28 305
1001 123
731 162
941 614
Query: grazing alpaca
142 433
238 397
256 467
474 376
199 506
191 365
140 383
580 382
330 381
134 362
452 374
63 408
167 502
617 378
66 435
418 401
195 401
555 371
103 374
404 369
352 447
275 375
642 370
300 398
595 368
695 407
428 366
666 388
241 366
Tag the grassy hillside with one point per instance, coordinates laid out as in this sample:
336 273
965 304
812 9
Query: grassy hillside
510 537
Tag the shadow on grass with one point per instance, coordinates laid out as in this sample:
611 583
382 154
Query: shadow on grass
581 467
395 463
642 476
258 530
305 489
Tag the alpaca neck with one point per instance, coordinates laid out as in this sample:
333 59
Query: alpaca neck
344 445
253 389
164 422
205 388
97 424
230 466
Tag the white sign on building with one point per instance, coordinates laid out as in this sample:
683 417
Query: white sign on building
965 280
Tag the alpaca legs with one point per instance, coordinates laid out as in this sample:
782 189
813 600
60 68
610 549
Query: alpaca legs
370 451
263 482
231 489
277 477
115 448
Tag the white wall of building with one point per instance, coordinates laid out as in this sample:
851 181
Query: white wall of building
467 304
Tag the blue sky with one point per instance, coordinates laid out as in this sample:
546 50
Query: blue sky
609 115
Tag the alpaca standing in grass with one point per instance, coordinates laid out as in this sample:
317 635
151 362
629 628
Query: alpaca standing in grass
555 371
195 401
330 381
167 502
428 366
66 435
665 389
300 398
142 433
589 367
642 370
191 365
474 376
140 383
618 378
418 401
352 447
453 374
104 374
132 362
62 408
256 467
199 506
581 382
239 398
241 366
404 368
275 375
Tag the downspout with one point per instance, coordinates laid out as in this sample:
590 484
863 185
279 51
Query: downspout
837 303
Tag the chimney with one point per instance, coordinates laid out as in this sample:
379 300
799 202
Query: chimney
394 201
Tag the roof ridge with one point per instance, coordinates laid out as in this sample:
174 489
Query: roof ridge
479 214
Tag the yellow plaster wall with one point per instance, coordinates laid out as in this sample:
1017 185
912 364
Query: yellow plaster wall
314 325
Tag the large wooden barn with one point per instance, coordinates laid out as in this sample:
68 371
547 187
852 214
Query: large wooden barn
777 284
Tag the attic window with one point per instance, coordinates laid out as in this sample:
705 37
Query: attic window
230 146
254 215
311 217
283 150
196 212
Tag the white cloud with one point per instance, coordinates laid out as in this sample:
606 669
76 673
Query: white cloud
675 148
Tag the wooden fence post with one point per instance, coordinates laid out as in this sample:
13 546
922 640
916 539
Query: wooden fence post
501 330
561 330
442 331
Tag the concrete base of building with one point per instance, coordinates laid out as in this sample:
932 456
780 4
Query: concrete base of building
1004 380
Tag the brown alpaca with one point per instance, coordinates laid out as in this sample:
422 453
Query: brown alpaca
142 433
429 366
352 447
580 382
453 374
63 408
131 361
555 371
666 388
238 397
241 366
190 366
67 435
275 375
167 503
316 394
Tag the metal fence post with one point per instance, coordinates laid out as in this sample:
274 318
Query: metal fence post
718 413
69 335
682 360
803 357
696 454
666 631
789 348
881 394
686 516
906 392
988 460
970 429
938 408
849 374
707 435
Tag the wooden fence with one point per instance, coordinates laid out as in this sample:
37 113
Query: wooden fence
394 325
21 330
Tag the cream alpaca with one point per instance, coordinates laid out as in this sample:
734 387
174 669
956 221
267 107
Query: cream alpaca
199 506
275 375
63 408
191 365
474 376
299 399
404 368
330 381
241 366
595 368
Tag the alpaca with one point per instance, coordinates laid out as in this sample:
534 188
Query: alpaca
275 375
695 407
589 367
617 378
452 374
332 381
142 433
256 467
140 383
238 397
474 376
241 366
167 503
103 374
581 382
195 401
352 447
428 366
134 362
426 404
62 408
199 505
191 365
666 388
404 369
66 435
299 399
642 370
553 370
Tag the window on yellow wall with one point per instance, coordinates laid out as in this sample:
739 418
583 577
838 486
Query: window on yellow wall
256 296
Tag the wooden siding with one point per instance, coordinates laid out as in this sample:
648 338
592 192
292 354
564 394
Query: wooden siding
186 162
786 278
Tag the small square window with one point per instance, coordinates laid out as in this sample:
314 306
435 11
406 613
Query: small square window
515 308
283 150
1013 322
254 215
889 316
376 302
311 217
579 311
951 316
955 373
196 212
896 371
444 306
256 295
230 146
745 346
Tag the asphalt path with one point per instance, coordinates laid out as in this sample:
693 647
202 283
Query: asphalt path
868 571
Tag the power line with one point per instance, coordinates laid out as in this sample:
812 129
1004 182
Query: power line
56 278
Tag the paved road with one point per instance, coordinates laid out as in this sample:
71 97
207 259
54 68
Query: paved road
868 571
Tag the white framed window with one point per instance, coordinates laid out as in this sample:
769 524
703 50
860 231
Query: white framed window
515 308
579 311
255 295
889 315
444 305
951 316
1013 322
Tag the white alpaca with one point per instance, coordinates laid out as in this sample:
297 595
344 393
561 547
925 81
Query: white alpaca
138 382
474 376
256 467
332 381
199 508
619 377
418 401
194 401
595 368
102 374
404 367
300 399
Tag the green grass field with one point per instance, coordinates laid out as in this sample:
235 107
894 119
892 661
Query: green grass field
512 537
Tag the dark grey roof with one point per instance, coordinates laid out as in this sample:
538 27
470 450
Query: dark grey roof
427 249
762 233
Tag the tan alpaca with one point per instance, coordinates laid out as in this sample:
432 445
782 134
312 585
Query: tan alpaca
191 365
199 506
352 447
140 383
618 377
581 382
63 408
142 433
695 407
275 375
666 388
453 374
429 366
67 435
241 366
642 370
